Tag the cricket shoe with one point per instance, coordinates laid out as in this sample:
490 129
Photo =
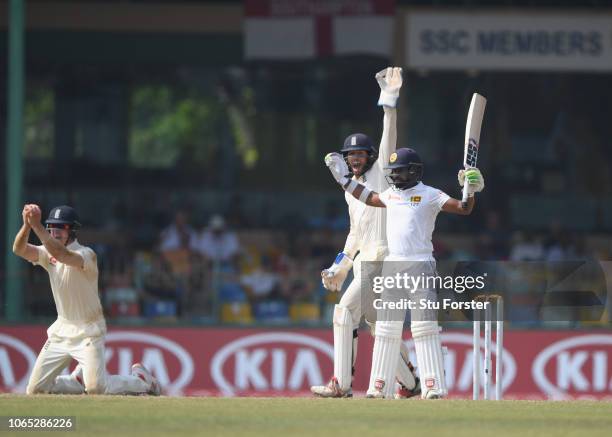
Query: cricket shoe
405 393
331 390
141 372
377 392
435 394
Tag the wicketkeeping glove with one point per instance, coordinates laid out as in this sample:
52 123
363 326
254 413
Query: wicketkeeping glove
390 82
334 276
474 178
337 165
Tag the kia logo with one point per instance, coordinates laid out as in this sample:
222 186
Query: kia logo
572 355
458 367
152 357
7 369
248 362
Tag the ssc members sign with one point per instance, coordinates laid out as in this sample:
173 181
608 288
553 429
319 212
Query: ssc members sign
508 41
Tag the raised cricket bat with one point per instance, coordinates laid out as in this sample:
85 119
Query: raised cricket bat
472 138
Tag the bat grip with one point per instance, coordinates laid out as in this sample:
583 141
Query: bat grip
464 197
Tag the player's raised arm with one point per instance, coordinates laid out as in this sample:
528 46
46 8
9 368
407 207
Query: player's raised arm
21 247
339 170
475 184
55 247
390 82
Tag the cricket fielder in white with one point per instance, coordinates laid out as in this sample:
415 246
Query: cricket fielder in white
412 208
366 237
78 333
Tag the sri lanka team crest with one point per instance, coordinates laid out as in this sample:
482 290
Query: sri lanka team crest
393 158
415 200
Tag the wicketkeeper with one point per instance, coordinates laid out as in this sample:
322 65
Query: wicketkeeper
412 208
78 333
366 241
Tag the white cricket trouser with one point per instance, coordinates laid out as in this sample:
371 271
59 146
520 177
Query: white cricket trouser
357 302
360 302
424 326
56 355
352 300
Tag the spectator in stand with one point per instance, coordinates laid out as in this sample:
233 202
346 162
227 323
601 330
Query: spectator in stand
263 283
217 243
160 282
174 264
526 248
178 234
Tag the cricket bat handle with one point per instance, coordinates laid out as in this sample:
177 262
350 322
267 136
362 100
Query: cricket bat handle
464 198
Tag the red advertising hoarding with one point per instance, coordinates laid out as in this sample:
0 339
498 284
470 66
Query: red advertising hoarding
285 362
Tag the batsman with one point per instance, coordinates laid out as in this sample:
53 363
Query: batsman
366 241
412 208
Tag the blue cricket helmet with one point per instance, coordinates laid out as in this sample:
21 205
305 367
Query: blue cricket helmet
358 141
64 215
406 168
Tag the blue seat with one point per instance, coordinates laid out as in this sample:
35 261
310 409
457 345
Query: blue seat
272 311
159 308
231 292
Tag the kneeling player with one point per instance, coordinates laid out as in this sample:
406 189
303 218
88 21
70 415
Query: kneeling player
412 208
78 333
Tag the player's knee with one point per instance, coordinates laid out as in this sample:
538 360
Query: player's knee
342 316
420 329
389 328
35 387
32 390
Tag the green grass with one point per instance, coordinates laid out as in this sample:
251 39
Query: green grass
150 416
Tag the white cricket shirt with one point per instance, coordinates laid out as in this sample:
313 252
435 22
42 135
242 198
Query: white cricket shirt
75 292
367 222
411 218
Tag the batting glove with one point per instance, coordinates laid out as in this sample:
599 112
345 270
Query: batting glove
390 82
334 276
474 178
338 168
